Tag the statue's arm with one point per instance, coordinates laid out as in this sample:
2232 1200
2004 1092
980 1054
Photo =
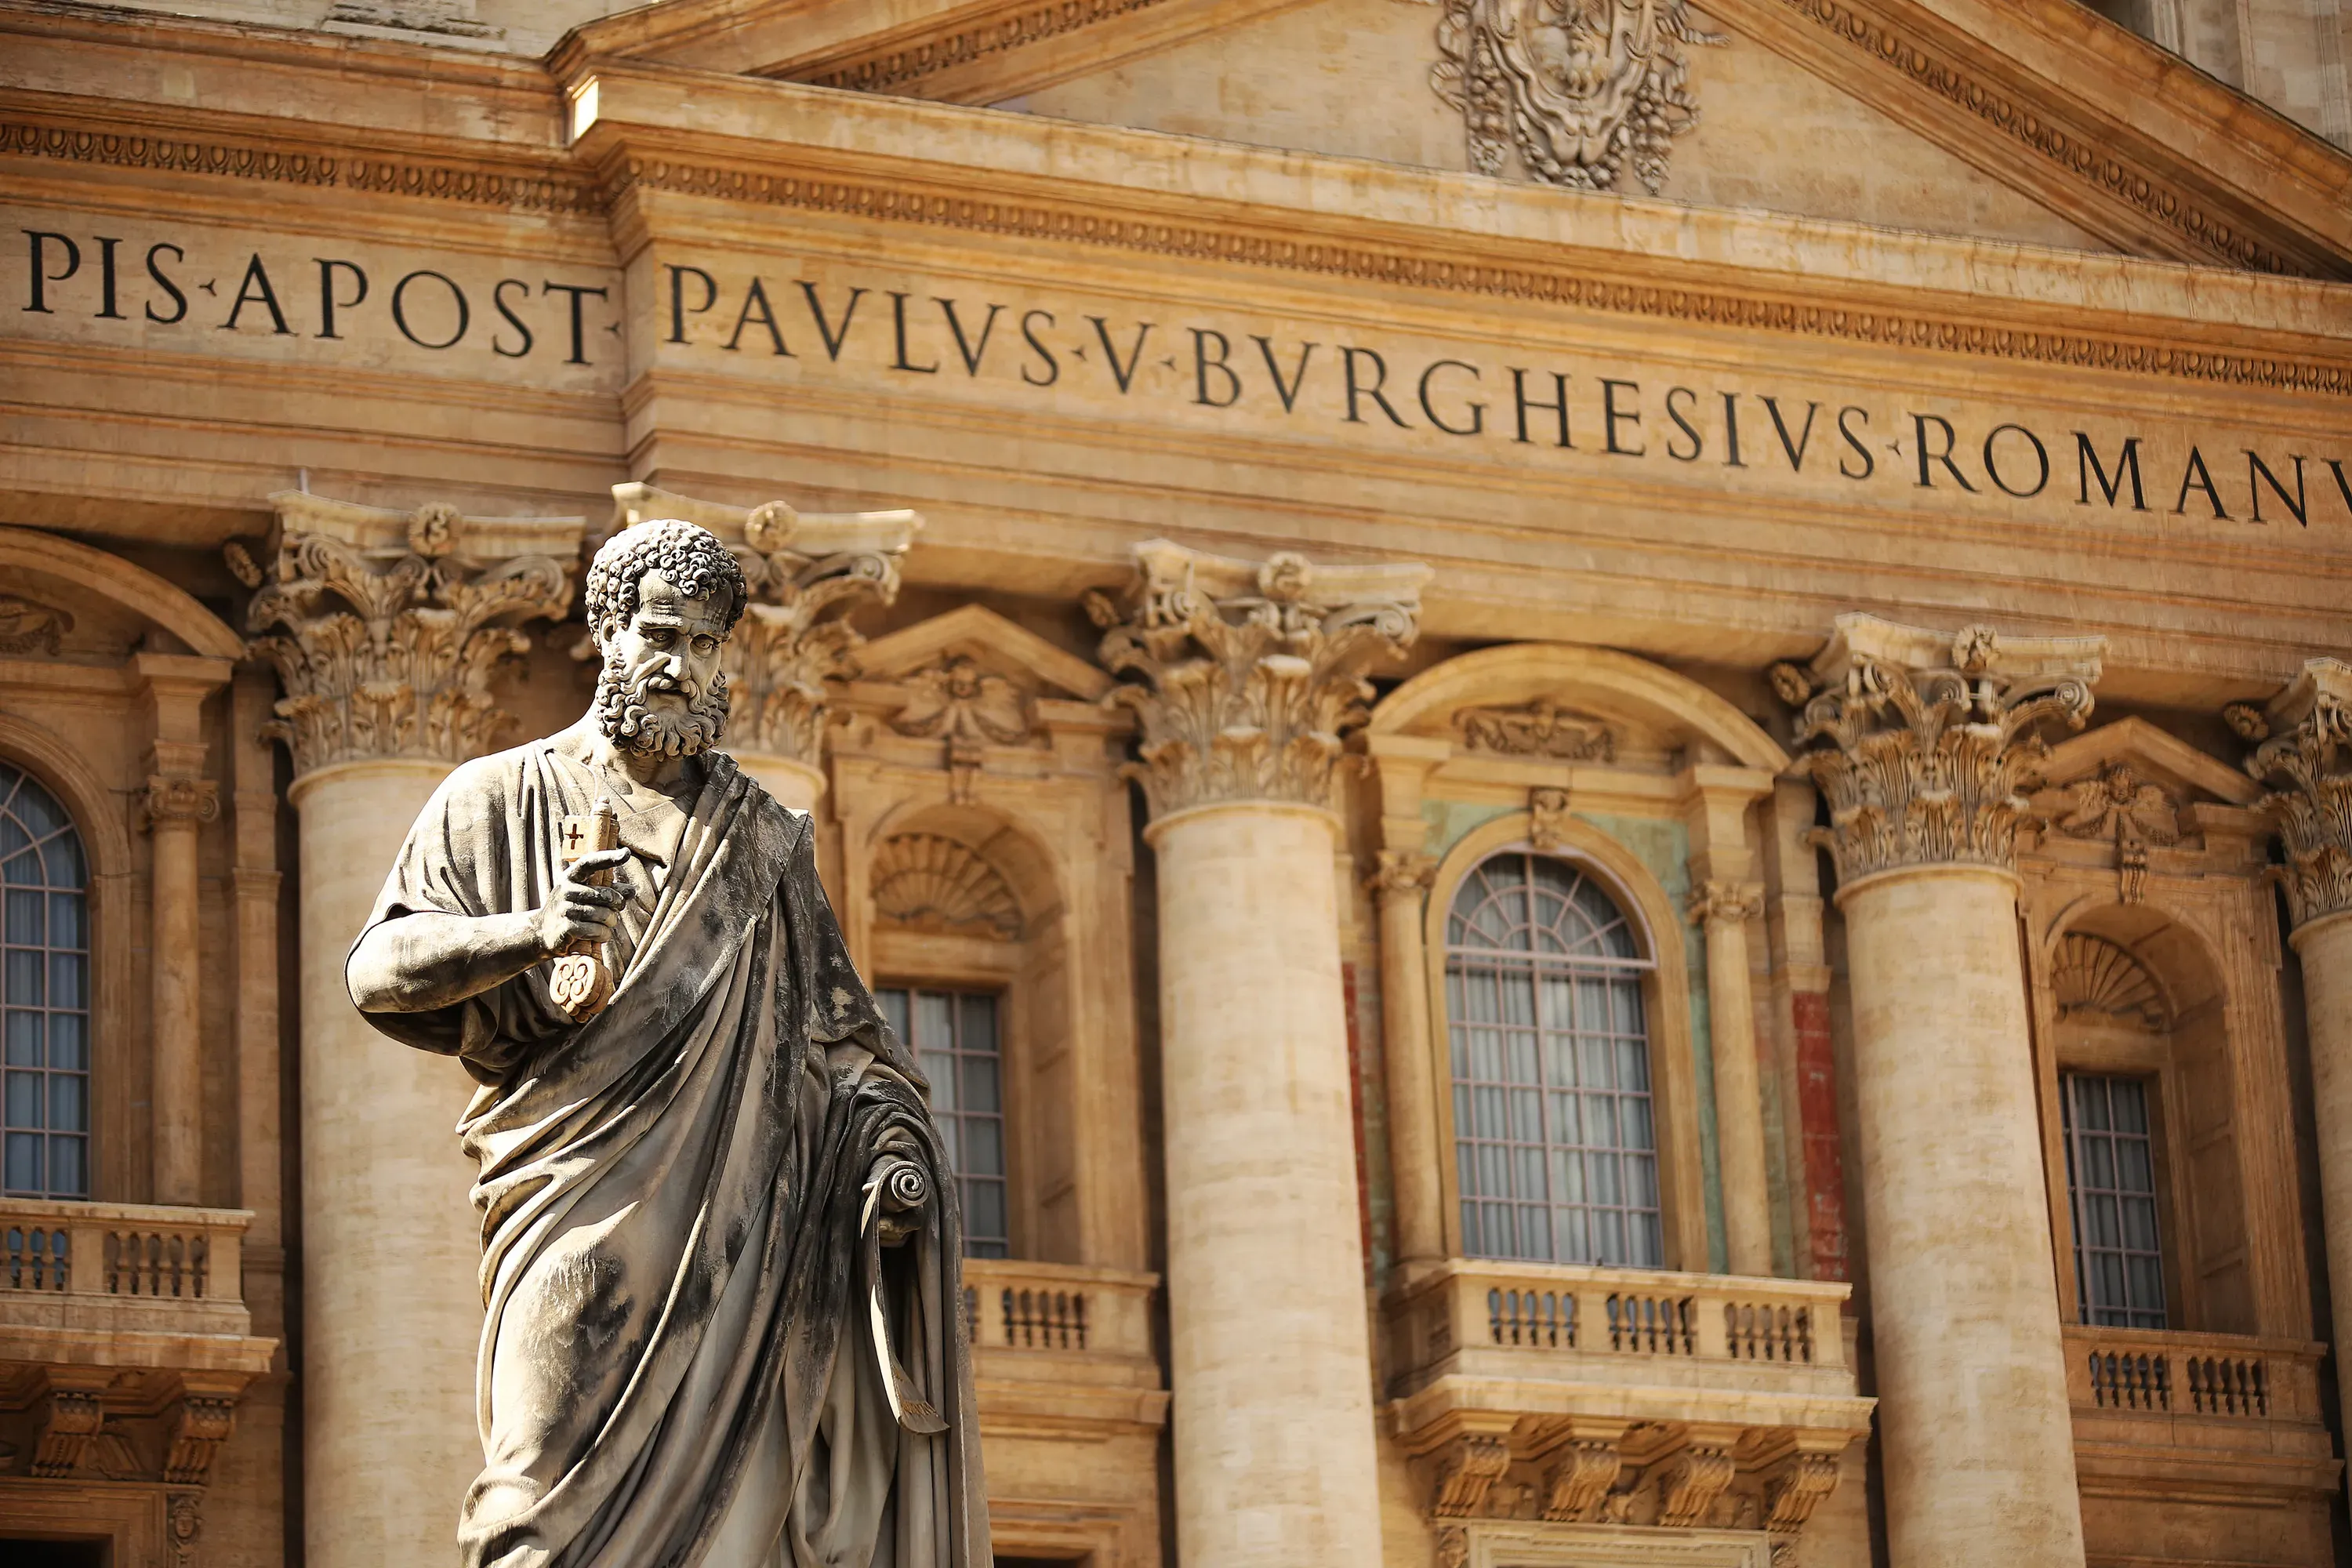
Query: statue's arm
430 959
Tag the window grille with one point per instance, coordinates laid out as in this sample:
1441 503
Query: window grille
44 993
1555 1147
2111 1190
953 1035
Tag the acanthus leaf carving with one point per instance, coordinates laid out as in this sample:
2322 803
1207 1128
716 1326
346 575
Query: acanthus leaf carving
384 651
1690 1482
170 798
202 1426
1540 729
73 1422
1249 674
1580 1482
2303 754
1462 1473
2120 807
1580 89
1794 1487
1718 903
1922 743
1402 873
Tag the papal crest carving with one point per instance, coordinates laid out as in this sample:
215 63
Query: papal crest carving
1580 88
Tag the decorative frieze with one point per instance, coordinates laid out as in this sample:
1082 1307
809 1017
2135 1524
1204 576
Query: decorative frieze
1248 674
808 573
1540 728
1922 740
386 627
2303 753
1580 93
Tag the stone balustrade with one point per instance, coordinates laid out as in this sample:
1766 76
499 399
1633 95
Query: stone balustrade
1573 1393
106 1279
1061 1336
2161 1416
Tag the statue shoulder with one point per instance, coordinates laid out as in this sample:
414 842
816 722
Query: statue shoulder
486 783
756 794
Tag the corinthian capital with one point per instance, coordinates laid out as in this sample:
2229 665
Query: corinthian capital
1247 674
808 572
386 627
2304 755
1922 740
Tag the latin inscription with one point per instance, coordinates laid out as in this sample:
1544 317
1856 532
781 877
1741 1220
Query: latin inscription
804 322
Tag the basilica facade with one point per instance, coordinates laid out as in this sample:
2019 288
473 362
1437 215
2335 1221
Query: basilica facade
1603 750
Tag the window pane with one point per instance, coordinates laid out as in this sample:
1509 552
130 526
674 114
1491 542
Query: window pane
955 1035
1555 1143
2111 1190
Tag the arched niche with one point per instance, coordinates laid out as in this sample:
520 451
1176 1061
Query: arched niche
1665 998
2136 992
36 561
966 898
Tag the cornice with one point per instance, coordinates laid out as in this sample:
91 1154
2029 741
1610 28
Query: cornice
1640 287
83 132
2129 186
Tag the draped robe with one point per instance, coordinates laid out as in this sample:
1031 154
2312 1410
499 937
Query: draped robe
694 1331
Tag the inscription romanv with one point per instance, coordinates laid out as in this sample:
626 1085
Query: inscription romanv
1385 390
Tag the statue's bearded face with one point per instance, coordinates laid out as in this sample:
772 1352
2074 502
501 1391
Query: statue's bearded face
661 692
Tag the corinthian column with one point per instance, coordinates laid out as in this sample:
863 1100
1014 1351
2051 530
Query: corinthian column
2304 755
385 629
808 572
1245 678
1921 741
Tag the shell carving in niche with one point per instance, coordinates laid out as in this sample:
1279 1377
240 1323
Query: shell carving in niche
927 883
2098 982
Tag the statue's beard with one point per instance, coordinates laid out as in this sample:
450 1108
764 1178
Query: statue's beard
632 724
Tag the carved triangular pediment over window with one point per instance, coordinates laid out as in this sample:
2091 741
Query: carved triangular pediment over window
993 647
2131 786
2045 123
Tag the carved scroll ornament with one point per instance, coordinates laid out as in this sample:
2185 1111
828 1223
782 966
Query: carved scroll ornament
1922 743
2304 755
1249 674
1580 88
1540 728
388 650
26 626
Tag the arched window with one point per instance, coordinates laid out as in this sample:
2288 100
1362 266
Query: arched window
1555 1146
44 993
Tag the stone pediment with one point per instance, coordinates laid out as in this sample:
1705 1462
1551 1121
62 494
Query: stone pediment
2185 774
2041 122
995 645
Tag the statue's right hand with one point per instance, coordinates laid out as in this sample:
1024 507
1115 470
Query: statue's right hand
578 912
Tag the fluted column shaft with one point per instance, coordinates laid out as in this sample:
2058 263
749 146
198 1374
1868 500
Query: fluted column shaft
1246 676
385 630
2304 755
1921 741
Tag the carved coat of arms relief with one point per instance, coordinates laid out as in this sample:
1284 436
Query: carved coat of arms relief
1581 89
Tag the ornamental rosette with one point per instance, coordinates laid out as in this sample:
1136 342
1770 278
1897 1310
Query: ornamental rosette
808 573
2304 755
1246 676
384 651
1923 743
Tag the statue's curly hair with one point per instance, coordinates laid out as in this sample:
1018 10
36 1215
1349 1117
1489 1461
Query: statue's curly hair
696 563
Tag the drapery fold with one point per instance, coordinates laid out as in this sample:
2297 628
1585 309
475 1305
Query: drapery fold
678 1365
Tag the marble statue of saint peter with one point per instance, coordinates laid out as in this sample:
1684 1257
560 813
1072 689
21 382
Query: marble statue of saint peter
719 1238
